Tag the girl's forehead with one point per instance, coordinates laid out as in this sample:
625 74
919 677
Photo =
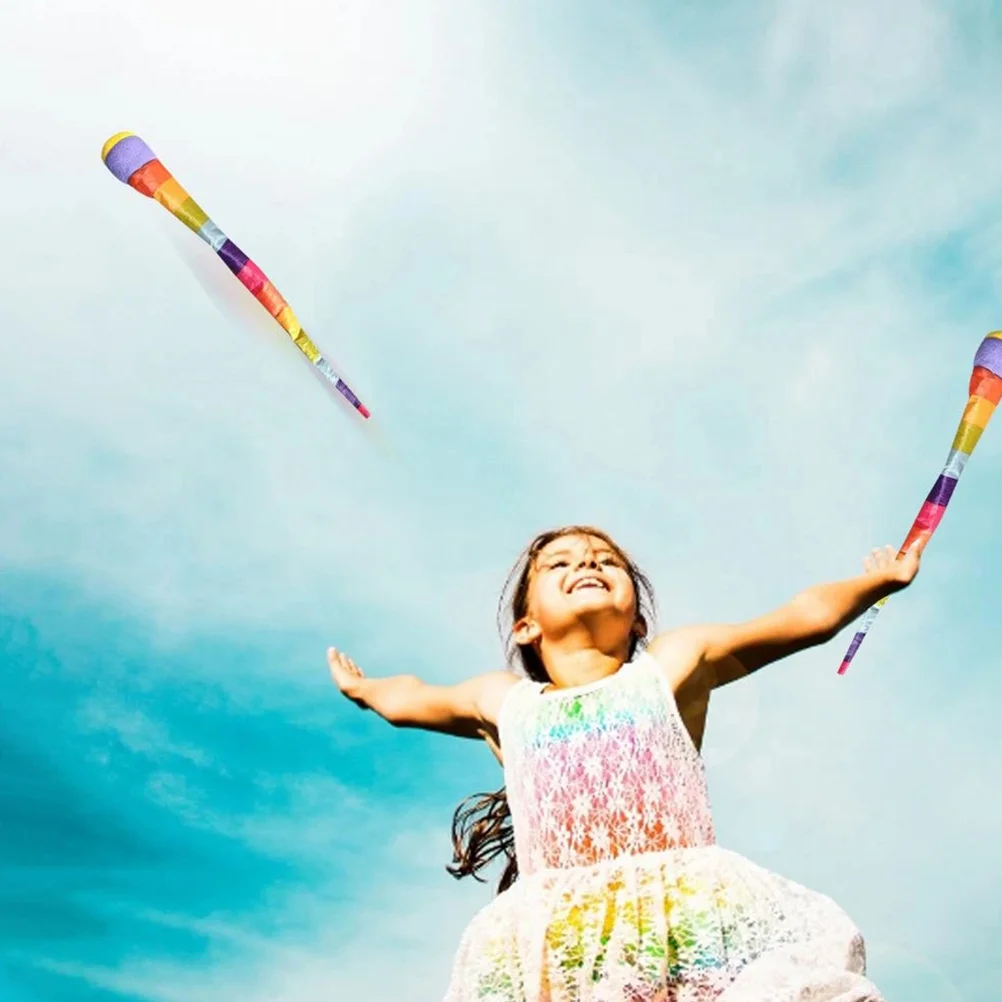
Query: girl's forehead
576 543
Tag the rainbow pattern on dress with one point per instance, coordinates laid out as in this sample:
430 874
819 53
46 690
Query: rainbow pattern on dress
985 392
623 893
133 162
632 748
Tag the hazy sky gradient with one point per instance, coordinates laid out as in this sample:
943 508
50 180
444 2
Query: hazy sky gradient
710 276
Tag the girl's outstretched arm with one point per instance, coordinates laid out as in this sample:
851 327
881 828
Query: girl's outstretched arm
469 709
721 654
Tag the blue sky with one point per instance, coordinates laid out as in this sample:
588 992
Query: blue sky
712 279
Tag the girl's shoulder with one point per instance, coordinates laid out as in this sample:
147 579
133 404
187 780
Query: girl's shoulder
493 688
678 653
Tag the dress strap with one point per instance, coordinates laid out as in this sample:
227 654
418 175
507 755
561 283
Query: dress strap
508 702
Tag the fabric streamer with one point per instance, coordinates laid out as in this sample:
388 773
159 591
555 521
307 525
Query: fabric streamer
133 162
985 392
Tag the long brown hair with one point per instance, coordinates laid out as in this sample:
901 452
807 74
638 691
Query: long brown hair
482 825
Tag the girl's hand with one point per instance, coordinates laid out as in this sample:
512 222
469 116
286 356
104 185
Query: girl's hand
898 572
469 709
346 674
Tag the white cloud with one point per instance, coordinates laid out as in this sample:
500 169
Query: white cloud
138 733
859 60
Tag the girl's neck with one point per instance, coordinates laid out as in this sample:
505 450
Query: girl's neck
572 668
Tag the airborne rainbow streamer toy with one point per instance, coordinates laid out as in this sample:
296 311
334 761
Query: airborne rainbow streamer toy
132 161
985 392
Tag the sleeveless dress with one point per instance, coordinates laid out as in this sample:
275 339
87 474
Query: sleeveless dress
623 894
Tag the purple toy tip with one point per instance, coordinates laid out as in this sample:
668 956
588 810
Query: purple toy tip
124 154
989 355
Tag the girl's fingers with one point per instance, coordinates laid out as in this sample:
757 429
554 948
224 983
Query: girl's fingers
342 664
888 560
882 557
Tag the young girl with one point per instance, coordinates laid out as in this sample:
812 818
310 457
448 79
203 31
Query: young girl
616 889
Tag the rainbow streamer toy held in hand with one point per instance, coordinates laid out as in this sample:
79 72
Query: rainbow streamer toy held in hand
132 161
985 393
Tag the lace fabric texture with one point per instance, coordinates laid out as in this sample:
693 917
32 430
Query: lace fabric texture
624 895
601 772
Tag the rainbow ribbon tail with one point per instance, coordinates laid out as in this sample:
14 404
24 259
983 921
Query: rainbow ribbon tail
135 164
339 383
984 395
864 629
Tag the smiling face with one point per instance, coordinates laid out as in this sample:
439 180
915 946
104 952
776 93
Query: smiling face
580 591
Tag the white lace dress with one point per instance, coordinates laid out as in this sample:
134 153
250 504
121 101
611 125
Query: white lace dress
623 895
